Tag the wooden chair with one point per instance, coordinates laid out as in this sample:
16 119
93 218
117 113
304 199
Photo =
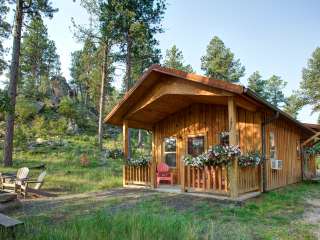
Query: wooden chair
24 187
164 174
10 181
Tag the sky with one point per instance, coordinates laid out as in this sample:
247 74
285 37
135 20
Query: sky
271 36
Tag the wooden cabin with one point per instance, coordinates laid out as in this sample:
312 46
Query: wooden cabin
191 111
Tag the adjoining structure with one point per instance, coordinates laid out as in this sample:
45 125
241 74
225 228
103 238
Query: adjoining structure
187 113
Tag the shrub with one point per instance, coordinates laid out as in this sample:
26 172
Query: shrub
25 109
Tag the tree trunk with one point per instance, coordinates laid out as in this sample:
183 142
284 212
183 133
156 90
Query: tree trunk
128 63
140 138
104 77
12 90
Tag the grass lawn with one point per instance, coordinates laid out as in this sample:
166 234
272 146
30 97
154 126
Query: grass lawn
281 214
65 173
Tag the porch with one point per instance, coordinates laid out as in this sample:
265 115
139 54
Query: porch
222 182
212 182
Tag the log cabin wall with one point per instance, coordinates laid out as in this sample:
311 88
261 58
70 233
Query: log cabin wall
208 120
287 138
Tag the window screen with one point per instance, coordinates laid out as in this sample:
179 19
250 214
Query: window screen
195 145
170 151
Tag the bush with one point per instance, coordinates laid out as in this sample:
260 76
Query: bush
25 109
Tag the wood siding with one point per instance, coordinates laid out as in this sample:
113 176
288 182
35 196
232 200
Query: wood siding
287 136
210 120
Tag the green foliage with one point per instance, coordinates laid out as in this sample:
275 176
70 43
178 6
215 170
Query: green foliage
220 63
293 104
174 59
314 150
274 90
310 84
4 32
39 61
25 109
257 84
67 108
4 102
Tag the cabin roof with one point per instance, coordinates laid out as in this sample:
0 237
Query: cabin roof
155 72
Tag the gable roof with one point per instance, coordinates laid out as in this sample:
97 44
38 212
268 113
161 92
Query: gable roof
150 77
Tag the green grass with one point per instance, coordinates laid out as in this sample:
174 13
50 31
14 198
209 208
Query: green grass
65 173
275 215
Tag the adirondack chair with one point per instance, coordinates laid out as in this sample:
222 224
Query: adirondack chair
164 174
9 181
24 187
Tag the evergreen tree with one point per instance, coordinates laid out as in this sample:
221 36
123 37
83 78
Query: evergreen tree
174 59
136 21
25 10
310 84
39 61
274 88
102 14
86 74
293 105
4 32
220 63
257 84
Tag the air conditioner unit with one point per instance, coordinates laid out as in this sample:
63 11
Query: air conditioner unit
276 164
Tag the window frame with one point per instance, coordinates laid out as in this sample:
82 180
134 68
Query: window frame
164 153
272 146
194 136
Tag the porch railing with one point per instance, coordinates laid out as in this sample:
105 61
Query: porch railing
248 179
137 175
208 179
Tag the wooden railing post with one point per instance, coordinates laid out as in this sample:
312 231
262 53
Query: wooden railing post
233 140
182 176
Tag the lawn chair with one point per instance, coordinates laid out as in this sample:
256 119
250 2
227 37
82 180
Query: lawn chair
164 174
24 187
10 181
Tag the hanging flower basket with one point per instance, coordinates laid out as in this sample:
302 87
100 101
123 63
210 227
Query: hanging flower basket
314 150
250 159
140 161
217 155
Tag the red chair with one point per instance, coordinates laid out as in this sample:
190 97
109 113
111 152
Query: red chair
164 174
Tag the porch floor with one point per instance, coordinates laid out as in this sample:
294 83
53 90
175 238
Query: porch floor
177 190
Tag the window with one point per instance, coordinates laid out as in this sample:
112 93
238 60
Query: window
273 153
224 138
170 146
195 145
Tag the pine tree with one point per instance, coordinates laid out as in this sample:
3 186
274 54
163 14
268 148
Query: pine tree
274 90
257 84
174 59
293 105
310 84
25 10
220 63
136 21
4 32
39 61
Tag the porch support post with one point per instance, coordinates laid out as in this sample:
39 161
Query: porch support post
153 160
125 135
233 140
125 142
